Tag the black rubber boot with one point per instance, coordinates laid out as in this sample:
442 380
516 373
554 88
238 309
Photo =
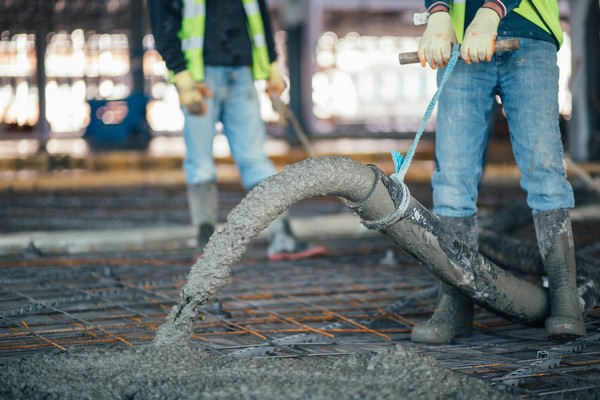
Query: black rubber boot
454 312
555 239
202 202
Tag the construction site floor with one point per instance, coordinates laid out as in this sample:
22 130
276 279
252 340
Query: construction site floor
98 266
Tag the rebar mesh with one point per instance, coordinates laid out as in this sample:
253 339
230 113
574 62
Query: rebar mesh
353 301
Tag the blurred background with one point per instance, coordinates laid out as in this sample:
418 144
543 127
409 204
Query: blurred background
79 76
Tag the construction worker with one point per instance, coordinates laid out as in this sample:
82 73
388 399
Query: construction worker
526 81
215 50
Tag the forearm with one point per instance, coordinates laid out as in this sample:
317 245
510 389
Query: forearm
165 21
437 5
502 7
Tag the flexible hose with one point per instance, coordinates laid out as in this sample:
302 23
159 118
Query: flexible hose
514 255
374 197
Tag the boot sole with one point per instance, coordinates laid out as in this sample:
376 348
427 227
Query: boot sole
560 328
564 336
312 252
427 336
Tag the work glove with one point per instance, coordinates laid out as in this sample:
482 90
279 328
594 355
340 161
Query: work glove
275 84
480 36
436 44
191 93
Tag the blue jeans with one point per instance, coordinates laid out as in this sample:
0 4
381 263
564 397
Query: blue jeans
527 82
234 103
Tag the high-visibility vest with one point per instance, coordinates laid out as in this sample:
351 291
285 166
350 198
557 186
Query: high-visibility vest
543 13
193 25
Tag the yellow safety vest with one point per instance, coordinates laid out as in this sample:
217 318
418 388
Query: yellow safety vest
543 13
192 38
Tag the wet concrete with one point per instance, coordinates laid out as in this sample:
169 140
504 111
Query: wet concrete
186 373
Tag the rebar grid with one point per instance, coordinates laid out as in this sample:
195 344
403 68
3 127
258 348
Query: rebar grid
344 304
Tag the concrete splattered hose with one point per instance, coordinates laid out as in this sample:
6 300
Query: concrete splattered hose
374 197
515 255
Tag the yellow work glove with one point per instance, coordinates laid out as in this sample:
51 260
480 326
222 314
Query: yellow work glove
275 84
480 36
191 93
436 44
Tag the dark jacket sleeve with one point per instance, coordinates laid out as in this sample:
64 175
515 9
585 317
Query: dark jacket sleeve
269 36
504 6
430 4
165 21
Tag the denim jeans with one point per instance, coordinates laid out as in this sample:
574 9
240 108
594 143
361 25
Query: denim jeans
234 103
527 82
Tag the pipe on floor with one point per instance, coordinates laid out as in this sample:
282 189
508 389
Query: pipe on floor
375 198
513 254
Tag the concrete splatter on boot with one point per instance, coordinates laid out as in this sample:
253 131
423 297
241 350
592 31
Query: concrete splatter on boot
202 202
555 240
283 244
454 312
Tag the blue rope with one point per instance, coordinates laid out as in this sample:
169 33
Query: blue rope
401 163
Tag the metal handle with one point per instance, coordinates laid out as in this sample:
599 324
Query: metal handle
283 108
501 45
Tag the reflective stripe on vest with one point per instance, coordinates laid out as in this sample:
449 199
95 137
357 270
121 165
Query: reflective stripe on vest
543 13
192 36
260 54
193 25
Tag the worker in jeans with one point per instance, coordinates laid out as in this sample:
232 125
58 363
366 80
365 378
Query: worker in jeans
215 50
526 80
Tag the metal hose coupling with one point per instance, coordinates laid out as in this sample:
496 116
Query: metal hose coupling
399 194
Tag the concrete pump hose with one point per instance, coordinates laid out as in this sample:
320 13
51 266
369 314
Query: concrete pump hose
516 255
375 197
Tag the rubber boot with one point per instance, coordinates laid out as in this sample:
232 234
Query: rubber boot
453 315
202 202
283 244
555 240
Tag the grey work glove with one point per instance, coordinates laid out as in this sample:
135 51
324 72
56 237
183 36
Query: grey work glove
480 36
191 93
275 84
436 44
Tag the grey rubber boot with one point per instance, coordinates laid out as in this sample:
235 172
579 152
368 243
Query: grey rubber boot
202 202
453 315
283 244
280 235
555 240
